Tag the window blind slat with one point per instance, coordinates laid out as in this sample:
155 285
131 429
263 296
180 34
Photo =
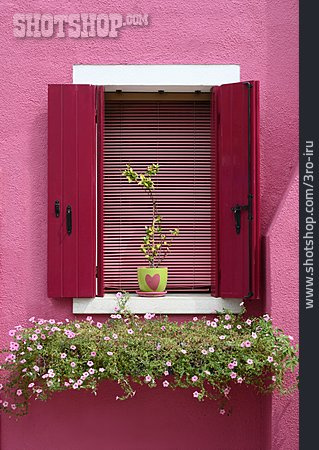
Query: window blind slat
176 135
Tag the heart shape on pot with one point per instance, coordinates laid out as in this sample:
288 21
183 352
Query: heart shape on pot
152 281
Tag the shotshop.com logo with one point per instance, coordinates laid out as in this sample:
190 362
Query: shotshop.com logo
82 25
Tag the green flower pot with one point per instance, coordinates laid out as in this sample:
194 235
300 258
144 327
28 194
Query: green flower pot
152 279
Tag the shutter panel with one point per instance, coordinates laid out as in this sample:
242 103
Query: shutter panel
100 189
237 185
72 183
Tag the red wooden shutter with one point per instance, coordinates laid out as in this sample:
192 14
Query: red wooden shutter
236 157
71 191
176 135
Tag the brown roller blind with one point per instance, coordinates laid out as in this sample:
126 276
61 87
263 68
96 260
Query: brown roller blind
176 135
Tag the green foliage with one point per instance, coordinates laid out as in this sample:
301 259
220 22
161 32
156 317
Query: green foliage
206 355
156 244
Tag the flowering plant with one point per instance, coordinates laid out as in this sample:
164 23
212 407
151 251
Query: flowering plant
207 355
156 244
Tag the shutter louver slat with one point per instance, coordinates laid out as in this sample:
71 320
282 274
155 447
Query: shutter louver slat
176 135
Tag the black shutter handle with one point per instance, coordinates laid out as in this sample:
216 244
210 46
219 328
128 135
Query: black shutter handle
237 209
69 220
57 208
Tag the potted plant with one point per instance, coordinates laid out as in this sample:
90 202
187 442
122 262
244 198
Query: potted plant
156 243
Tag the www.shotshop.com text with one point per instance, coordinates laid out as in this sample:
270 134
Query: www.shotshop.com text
308 203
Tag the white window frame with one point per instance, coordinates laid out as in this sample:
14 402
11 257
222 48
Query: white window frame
150 78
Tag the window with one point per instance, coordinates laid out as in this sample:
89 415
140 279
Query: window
174 131
74 247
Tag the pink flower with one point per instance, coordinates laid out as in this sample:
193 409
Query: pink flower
91 371
5 404
12 332
13 406
72 347
72 364
149 316
230 366
195 319
106 338
235 363
148 378
204 352
63 355
90 363
270 359
51 321
39 347
233 375
99 325
239 380
222 337
227 327
115 336
43 336
195 394
110 353
208 323
254 335
239 327
119 295
36 368
183 351
75 386
116 308
211 349
291 338
163 328
101 369
85 374
19 392
31 385
248 321
89 318
66 384
79 382
93 354
166 372
222 412
194 378
168 363
227 317
165 383
250 361
14 346
266 317
34 337
213 324
273 378
130 331
247 344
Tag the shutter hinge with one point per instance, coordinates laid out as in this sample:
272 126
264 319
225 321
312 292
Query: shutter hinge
248 84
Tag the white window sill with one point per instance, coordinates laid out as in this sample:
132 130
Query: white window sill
173 303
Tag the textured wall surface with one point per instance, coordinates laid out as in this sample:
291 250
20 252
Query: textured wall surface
261 36
282 301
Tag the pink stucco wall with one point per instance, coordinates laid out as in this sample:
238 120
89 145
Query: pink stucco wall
282 293
261 36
